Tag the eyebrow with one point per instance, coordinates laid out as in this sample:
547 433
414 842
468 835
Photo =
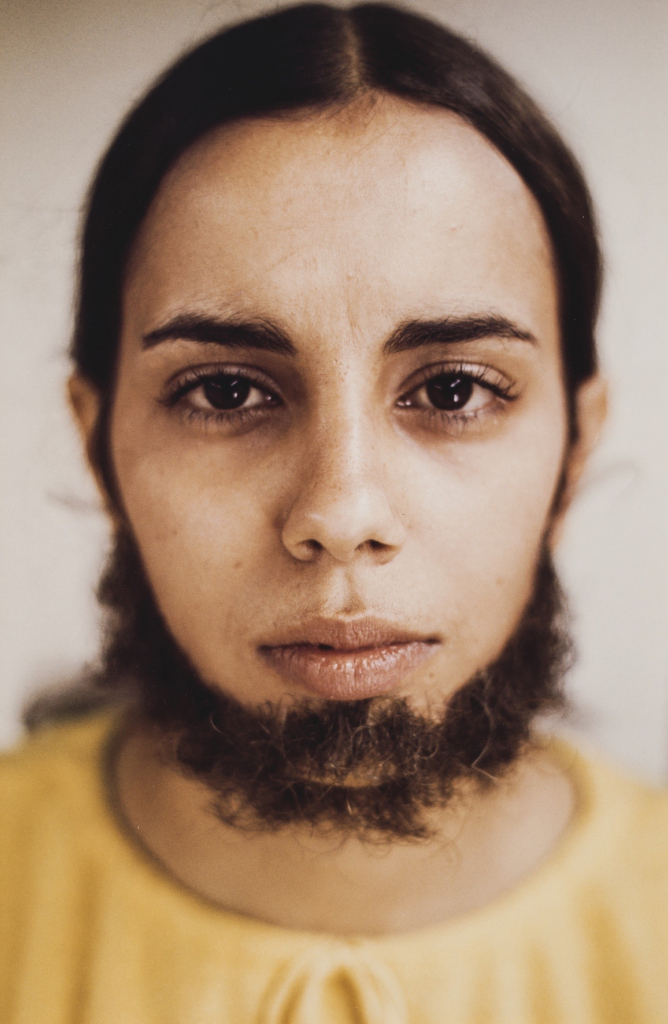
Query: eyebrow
452 330
261 335
251 334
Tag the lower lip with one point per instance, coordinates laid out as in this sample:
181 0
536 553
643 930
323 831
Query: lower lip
348 675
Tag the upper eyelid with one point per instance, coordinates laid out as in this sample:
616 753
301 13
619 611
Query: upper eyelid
479 372
184 381
191 377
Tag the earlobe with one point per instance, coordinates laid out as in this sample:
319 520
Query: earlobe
591 410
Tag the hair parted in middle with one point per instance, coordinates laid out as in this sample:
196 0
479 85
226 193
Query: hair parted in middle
317 56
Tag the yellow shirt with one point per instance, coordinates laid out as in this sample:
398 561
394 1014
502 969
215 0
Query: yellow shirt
93 931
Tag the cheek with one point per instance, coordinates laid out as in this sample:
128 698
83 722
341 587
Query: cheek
199 519
482 519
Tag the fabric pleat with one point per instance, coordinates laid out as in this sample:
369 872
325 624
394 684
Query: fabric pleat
368 985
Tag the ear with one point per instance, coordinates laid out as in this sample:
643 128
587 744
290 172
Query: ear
591 410
86 404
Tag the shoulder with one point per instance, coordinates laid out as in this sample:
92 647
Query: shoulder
609 789
620 830
70 742
58 766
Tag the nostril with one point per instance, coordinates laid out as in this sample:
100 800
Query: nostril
373 545
314 546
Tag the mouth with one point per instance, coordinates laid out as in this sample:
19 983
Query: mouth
348 660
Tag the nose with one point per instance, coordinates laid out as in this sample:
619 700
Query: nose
342 508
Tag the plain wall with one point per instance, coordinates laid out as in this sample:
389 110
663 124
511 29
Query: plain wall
70 68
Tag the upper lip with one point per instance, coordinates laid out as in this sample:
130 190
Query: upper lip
347 635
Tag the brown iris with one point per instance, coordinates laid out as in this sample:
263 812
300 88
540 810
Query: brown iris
226 391
449 391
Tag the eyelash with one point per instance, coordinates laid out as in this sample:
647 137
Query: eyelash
486 377
192 379
504 390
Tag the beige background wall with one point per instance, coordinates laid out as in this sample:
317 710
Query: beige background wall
69 69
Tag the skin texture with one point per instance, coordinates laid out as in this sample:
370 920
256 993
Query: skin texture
337 497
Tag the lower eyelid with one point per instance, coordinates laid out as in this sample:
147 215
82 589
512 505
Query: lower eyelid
214 418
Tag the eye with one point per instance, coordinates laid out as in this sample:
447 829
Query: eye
207 392
449 391
453 391
227 392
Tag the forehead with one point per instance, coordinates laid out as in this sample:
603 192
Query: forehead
380 211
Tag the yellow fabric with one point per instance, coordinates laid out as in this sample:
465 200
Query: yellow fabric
94 932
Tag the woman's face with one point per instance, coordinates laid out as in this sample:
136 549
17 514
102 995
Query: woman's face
339 420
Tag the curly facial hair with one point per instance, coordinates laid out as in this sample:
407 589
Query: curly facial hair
370 767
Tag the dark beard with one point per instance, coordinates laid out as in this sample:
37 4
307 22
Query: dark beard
370 768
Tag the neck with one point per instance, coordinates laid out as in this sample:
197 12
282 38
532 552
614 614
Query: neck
485 842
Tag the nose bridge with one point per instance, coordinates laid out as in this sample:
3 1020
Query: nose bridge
342 504
342 476
342 445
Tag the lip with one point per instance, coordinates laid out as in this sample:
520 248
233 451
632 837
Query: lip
348 660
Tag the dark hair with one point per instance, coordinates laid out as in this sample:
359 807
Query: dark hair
316 56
